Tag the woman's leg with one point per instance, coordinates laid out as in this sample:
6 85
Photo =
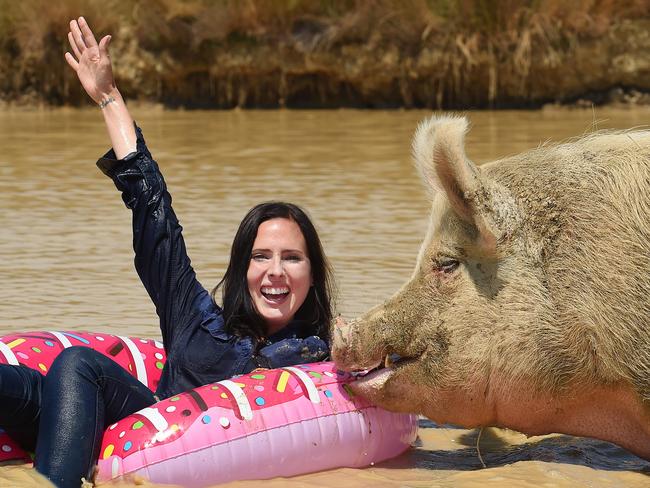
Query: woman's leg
20 403
83 393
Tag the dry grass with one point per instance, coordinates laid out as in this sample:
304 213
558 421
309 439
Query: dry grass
181 37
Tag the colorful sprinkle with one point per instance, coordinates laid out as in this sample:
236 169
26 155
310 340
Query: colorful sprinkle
6 448
122 434
75 336
128 445
143 341
15 343
158 344
144 356
49 343
112 426
260 401
170 409
258 388
258 376
223 395
328 393
206 419
282 382
159 365
99 338
158 355
174 399
225 423
108 451
241 385
215 387
137 425
315 374
22 355
329 374
42 366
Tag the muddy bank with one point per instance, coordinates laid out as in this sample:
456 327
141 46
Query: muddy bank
365 54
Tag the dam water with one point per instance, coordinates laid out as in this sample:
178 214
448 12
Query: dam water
66 261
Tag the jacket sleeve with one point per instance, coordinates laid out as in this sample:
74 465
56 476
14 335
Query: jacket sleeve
160 256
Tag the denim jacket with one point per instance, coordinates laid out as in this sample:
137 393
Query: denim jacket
199 350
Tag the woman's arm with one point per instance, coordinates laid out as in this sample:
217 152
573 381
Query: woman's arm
160 256
92 64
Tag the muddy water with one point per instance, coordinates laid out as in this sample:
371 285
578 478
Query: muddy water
66 261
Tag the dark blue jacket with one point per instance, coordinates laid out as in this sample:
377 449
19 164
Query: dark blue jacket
199 350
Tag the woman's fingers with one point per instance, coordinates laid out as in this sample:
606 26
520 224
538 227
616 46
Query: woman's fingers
73 45
71 61
77 37
88 36
103 45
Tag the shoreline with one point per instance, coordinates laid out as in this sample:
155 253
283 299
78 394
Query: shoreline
634 101
370 56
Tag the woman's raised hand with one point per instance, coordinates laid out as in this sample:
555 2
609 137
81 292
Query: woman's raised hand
91 61
92 64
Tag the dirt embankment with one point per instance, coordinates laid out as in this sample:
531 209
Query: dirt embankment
365 54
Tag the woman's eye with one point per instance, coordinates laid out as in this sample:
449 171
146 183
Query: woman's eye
448 265
258 257
293 259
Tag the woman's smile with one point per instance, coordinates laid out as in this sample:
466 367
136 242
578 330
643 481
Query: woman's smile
279 273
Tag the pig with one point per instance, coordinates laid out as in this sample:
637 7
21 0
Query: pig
529 303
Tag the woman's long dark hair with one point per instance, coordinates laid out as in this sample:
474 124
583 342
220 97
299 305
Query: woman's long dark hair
241 317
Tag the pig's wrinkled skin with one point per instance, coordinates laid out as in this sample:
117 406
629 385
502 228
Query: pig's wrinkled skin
530 301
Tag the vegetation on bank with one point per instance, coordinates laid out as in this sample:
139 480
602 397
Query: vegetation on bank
324 53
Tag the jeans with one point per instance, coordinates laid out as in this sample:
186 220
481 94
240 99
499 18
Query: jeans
63 415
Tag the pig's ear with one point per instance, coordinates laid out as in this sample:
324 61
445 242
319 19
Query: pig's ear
439 152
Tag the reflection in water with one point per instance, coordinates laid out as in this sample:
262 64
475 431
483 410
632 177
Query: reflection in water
66 260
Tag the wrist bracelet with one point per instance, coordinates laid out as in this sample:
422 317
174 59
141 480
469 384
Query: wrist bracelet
103 103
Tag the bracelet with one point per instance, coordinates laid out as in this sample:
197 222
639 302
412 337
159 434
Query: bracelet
103 103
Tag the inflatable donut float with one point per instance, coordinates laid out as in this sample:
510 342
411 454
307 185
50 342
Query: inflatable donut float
143 358
265 424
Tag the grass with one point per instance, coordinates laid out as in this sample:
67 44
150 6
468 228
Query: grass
169 43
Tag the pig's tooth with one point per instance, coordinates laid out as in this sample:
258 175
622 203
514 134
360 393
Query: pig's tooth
388 362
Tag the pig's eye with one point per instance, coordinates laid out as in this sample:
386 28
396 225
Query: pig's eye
448 265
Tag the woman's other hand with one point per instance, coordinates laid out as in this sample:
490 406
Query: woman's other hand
91 61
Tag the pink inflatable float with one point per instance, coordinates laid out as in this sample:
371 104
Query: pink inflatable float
265 424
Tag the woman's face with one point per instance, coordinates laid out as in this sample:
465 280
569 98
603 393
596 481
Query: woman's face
279 272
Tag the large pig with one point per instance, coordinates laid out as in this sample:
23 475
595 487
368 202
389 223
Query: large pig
530 300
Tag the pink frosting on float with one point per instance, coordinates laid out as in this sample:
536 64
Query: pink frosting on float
313 413
334 441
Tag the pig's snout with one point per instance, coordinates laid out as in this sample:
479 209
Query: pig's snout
341 339
346 347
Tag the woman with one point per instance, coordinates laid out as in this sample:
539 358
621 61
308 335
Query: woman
276 302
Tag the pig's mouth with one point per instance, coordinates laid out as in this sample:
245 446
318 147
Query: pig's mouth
394 361
369 382
391 362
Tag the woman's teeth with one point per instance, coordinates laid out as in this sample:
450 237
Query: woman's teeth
275 294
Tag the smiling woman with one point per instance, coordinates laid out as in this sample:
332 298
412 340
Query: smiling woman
277 273
272 316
